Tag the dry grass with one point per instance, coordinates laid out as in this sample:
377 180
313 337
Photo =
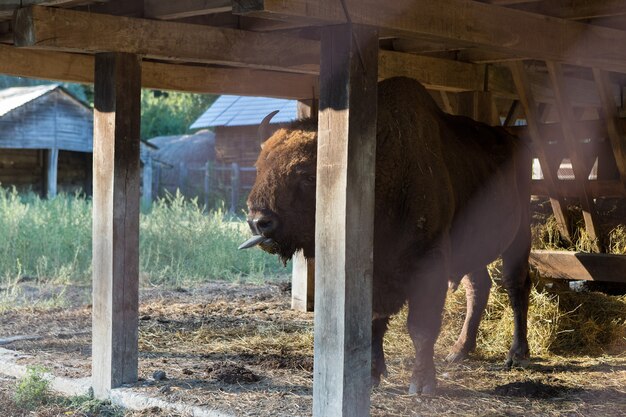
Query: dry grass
205 337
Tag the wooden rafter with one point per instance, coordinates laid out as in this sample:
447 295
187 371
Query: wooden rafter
532 119
167 9
63 66
615 129
69 30
567 188
575 9
571 138
479 24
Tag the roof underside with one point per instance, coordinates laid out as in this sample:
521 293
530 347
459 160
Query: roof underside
271 47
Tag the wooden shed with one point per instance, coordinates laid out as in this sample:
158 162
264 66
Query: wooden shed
561 64
235 121
46 140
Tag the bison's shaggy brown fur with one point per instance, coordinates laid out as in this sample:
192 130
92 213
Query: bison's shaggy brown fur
451 196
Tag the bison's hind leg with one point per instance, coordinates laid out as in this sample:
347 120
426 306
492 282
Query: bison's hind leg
516 280
379 327
477 285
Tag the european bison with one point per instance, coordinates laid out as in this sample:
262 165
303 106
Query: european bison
451 196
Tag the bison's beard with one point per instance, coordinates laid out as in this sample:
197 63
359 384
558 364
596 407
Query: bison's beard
284 252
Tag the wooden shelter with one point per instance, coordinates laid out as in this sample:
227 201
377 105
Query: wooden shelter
45 140
557 64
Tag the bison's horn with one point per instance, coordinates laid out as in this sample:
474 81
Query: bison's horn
264 128
253 241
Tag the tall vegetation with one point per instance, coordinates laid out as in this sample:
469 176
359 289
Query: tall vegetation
50 240
170 113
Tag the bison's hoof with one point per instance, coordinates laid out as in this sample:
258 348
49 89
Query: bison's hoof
423 385
456 356
376 376
518 358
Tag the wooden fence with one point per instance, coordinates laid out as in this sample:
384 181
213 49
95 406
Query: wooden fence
210 183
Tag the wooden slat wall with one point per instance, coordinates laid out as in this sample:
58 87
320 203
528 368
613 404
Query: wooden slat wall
23 168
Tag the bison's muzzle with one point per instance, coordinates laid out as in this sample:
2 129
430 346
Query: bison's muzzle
262 224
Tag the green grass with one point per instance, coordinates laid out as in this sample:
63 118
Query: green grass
33 390
180 243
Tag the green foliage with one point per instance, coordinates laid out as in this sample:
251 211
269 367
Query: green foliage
33 390
50 240
170 113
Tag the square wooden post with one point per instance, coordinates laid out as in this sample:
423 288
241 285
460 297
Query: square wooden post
345 221
51 167
302 283
116 185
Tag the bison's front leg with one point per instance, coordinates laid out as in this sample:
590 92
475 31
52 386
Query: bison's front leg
379 327
477 286
426 302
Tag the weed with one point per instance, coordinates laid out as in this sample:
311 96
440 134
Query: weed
33 390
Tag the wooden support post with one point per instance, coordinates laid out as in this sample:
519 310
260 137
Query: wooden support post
302 283
234 186
182 177
52 168
146 188
480 106
570 140
307 108
207 183
532 118
611 117
303 270
117 178
345 221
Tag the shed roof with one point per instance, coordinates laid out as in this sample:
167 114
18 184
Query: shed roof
245 111
14 97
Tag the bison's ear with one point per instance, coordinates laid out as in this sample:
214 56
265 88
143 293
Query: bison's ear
264 132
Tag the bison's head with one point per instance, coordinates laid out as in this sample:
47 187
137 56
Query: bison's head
281 203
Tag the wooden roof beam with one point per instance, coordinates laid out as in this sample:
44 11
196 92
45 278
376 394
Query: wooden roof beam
63 66
575 9
68 30
167 9
468 23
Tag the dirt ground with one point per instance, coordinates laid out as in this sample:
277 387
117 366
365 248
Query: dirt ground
240 349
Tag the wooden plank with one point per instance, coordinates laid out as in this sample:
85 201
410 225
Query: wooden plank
434 73
530 108
167 9
614 126
478 105
570 136
575 9
598 188
466 22
579 266
116 185
51 167
345 221
68 30
302 283
71 67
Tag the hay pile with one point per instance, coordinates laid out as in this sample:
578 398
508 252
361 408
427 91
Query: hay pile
560 322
